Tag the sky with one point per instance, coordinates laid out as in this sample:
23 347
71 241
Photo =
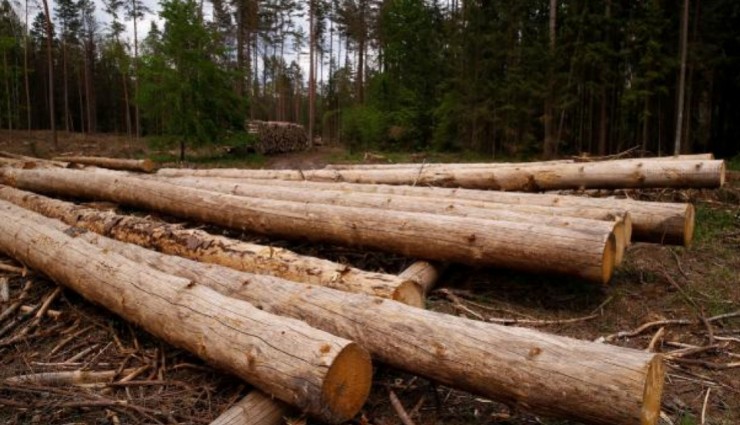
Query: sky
144 24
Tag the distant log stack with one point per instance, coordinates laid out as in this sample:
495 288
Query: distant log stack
140 165
278 136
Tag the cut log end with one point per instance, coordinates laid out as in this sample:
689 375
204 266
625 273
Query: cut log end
627 221
409 293
722 177
608 259
347 384
688 226
653 391
620 238
148 166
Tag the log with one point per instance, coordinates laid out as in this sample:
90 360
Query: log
257 409
548 374
202 246
661 222
417 166
254 409
327 376
594 175
423 273
425 165
524 246
617 223
140 165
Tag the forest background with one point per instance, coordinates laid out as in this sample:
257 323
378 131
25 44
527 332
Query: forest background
501 78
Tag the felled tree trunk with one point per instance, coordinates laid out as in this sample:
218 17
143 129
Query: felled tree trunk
662 222
203 246
557 376
526 246
257 409
613 222
141 165
327 376
592 175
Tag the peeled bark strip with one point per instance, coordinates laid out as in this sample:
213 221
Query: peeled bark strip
615 223
661 222
539 372
254 409
327 376
526 246
203 246
592 175
140 165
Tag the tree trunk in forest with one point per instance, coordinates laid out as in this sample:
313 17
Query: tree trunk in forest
65 82
539 372
26 71
467 240
617 174
311 71
49 56
325 375
681 79
663 222
201 246
611 224
140 165
550 148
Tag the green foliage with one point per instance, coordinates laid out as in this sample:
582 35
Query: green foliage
183 90
363 128
713 222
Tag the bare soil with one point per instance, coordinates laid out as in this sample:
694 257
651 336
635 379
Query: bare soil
656 283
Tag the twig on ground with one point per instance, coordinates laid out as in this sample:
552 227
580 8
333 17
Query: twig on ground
644 327
704 407
658 335
400 411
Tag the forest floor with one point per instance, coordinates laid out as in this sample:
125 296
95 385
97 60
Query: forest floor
655 283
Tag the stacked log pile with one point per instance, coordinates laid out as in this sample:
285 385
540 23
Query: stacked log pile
278 137
302 330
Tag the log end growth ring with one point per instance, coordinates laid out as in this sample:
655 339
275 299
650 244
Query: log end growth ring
620 237
409 293
688 226
347 383
627 221
608 258
653 391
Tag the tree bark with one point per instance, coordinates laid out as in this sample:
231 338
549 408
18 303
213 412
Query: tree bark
467 240
556 376
201 246
325 375
614 223
663 222
258 409
596 175
141 165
